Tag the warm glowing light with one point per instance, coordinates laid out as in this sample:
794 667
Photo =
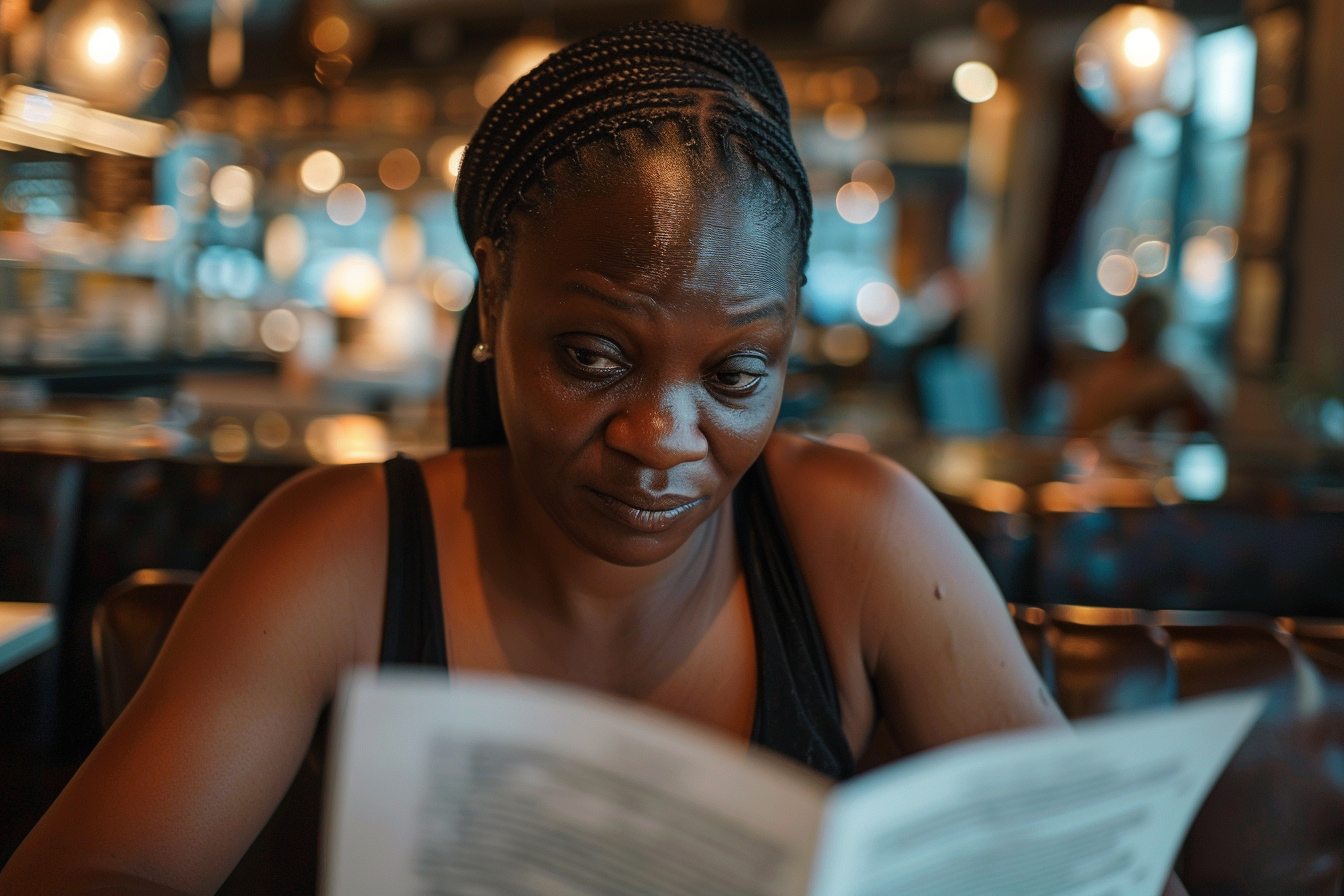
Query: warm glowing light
346 204
402 248
877 304
975 82
280 330
321 171
845 121
158 223
285 246
331 34
1135 59
1204 266
353 284
452 166
1117 273
509 63
232 189
1150 257
104 44
997 496
452 288
347 439
845 344
876 175
228 442
399 169
271 430
1142 47
856 203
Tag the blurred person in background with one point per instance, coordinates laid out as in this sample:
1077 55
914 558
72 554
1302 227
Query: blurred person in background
1135 383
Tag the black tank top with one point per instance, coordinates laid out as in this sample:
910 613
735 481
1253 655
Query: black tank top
797 706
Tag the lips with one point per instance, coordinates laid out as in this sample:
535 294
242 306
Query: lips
647 513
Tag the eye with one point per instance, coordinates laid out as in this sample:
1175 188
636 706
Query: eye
591 361
737 381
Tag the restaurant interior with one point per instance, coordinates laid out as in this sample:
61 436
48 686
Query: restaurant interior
1074 264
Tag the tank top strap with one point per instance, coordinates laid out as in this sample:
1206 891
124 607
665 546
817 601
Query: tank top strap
797 704
413 630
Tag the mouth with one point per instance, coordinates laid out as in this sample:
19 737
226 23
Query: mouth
647 513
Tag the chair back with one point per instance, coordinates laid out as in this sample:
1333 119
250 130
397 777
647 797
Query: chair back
130 624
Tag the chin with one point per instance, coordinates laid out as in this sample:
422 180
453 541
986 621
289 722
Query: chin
607 542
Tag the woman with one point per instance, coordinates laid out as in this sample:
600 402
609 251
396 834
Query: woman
618 511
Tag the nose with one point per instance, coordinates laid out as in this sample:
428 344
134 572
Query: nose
659 429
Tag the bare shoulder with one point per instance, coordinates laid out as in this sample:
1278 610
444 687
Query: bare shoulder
839 484
859 521
889 569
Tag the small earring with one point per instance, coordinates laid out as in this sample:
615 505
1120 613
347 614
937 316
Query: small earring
481 353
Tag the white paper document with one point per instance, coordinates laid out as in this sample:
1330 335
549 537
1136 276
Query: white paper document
481 786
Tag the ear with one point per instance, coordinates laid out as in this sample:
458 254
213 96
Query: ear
490 265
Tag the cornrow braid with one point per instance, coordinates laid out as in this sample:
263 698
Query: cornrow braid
635 76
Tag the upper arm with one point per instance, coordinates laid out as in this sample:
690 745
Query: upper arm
186 777
905 593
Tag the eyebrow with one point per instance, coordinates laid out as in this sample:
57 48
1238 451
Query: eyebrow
771 308
761 312
629 306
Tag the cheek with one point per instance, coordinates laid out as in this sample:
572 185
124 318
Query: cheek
543 414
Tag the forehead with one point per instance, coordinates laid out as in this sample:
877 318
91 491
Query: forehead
667 225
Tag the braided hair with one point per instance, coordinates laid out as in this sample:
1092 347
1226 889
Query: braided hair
720 92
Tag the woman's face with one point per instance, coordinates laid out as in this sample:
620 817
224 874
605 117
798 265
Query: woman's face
640 350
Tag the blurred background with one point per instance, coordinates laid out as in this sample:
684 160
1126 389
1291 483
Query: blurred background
1077 265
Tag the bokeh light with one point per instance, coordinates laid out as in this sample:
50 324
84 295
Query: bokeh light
110 53
509 63
346 204
331 34
104 44
877 176
353 284
271 429
452 287
280 330
229 441
1103 329
157 223
193 177
877 303
845 121
321 171
285 246
399 169
844 344
1117 273
975 82
233 189
1200 470
1142 47
1150 257
857 203
347 439
1204 267
402 248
